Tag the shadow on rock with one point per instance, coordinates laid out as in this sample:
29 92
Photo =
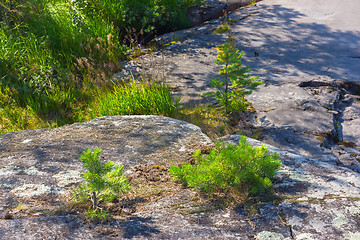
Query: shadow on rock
298 47
138 226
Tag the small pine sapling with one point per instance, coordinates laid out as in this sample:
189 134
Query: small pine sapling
104 183
236 82
229 166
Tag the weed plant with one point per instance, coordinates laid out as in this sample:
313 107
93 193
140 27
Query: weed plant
240 167
104 183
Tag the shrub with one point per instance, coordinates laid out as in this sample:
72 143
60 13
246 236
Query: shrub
104 183
240 167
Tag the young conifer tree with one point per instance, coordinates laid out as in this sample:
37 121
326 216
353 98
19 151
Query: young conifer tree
227 167
104 182
235 82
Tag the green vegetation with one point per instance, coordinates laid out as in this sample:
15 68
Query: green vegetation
56 59
54 55
104 183
74 105
240 167
212 120
149 98
235 82
224 28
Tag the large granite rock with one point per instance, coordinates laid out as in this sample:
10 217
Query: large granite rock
47 160
312 199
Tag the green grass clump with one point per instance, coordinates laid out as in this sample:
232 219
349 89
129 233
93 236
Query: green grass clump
49 53
52 53
240 167
225 28
212 120
68 105
137 98
15 118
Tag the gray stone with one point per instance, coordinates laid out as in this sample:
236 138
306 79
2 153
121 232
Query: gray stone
46 161
320 200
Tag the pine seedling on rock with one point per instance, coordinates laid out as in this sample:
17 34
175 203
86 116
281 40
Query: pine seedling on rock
229 166
104 182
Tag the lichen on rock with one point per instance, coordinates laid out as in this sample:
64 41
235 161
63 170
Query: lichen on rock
30 190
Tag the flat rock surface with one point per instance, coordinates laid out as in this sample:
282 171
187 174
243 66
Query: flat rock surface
316 200
312 199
